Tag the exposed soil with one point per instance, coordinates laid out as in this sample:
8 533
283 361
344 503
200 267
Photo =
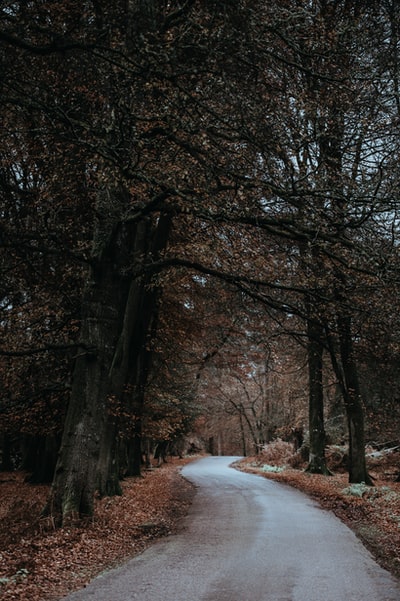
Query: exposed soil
40 563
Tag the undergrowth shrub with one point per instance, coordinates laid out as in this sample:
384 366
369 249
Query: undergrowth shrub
298 460
276 452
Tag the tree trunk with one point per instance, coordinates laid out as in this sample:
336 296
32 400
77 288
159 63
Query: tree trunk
6 464
243 437
74 482
134 467
138 355
117 323
317 461
108 465
353 404
125 362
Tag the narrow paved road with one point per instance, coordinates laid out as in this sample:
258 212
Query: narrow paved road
248 539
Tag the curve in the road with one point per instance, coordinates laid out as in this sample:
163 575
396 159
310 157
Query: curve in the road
248 539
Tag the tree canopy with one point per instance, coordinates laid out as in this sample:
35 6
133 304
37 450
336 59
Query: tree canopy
195 196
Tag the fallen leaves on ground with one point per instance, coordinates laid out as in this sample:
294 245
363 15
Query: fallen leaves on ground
40 563
373 513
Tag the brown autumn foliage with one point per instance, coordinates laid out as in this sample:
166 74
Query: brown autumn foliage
41 563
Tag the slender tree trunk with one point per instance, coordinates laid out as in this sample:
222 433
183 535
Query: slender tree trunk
317 461
353 403
134 467
6 464
243 436
39 457
346 373
315 349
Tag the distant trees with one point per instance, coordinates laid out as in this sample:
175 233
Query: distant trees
333 182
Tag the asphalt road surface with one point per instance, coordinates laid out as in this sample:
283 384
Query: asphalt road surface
247 538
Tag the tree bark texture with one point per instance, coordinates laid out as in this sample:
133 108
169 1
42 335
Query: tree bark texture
75 475
317 461
117 318
353 404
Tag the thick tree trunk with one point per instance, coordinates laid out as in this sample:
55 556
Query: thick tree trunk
108 465
117 322
74 482
317 461
346 372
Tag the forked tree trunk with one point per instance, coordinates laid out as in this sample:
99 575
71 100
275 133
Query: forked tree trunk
144 323
344 366
125 362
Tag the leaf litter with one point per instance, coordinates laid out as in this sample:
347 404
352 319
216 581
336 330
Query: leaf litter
40 563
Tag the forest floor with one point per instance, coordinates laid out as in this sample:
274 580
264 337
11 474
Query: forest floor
40 563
